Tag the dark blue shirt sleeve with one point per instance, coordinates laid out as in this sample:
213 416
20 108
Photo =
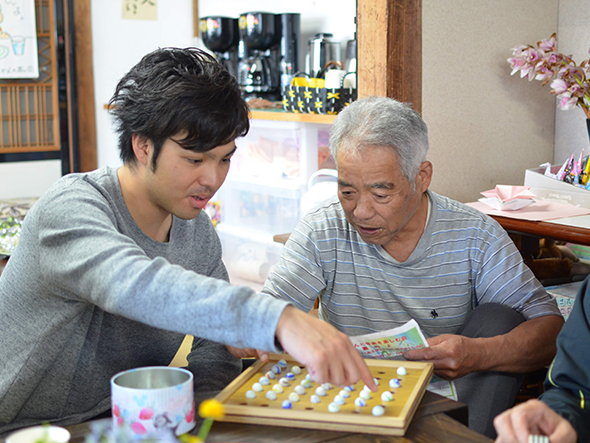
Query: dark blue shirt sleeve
567 387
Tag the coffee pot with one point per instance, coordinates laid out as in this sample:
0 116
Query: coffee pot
258 74
221 36
323 51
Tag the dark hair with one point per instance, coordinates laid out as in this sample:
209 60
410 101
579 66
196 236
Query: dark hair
173 90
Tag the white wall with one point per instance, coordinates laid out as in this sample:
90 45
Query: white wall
27 179
118 45
485 126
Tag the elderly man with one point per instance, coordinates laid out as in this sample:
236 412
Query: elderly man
389 250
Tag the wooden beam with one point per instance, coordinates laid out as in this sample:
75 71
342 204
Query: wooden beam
196 23
85 86
372 25
389 34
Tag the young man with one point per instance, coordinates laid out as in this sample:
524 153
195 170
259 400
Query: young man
389 250
114 267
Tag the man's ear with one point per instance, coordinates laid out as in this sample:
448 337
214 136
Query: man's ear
142 148
424 176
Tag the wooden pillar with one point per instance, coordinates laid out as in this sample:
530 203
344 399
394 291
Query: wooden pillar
389 35
85 86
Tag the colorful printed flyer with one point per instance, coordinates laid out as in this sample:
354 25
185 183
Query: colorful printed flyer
390 344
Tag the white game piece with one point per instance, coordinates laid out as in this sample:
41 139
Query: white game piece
282 363
366 388
326 386
270 375
314 399
333 407
376 381
349 388
321 391
286 404
366 394
387 396
339 400
277 388
284 382
344 393
250 394
257 387
293 397
290 376
271 395
394 383
308 376
299 389
264 381
276 369
378 410
538 439
360 402
402 371
306 384
296 370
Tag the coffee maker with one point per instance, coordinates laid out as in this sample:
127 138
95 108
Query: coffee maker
269 52
221 36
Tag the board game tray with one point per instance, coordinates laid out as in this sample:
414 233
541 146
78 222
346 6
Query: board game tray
305 414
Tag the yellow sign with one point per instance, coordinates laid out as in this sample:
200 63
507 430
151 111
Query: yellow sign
140 10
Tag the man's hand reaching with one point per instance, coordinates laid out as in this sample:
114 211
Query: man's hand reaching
328 353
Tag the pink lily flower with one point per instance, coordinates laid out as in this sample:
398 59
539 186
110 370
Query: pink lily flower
559 86
567 102
543 73
548 44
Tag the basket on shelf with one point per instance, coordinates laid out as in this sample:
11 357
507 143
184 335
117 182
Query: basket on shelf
310 96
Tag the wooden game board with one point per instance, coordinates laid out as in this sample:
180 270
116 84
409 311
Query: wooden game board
350 418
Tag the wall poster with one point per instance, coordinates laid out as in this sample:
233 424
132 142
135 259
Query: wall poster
18 39
140 10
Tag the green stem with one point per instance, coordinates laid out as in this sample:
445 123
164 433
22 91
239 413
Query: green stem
205 428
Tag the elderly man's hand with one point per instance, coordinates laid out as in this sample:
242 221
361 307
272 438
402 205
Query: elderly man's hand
533 418
453 356
328 353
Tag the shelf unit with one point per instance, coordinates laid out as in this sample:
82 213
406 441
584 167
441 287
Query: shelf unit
281 115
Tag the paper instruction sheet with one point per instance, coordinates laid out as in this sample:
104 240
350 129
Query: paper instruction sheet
391 344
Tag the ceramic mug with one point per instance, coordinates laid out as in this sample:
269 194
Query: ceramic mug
334 78
148 401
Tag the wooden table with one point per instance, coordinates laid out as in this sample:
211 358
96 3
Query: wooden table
571 234
437 419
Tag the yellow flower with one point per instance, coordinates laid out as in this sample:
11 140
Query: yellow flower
212 409
188 438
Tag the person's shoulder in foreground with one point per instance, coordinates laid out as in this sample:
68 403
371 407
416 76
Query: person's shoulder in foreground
561 413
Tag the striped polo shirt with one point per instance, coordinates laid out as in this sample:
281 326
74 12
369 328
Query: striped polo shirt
463 259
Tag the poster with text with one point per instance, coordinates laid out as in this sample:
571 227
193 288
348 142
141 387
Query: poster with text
18 39
140 10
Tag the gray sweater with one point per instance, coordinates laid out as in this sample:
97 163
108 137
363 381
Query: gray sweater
87 294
